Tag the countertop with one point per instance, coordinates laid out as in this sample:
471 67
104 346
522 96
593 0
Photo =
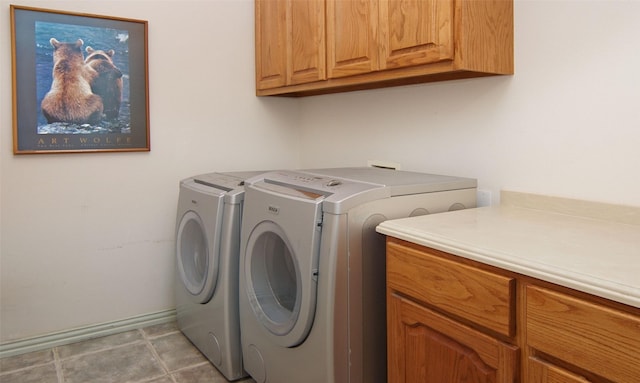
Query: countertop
599 256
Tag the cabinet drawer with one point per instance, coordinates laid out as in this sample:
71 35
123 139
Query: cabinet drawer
474 294
541 371
587 335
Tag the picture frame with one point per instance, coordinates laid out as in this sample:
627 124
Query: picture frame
80 82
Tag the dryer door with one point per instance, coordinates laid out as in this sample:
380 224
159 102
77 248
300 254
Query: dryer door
197 242
281 270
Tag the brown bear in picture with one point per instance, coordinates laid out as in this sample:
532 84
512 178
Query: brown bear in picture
108 81
70 98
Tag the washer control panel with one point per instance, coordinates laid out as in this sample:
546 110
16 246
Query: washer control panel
338 194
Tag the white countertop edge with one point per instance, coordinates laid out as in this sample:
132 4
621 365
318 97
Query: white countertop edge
576 281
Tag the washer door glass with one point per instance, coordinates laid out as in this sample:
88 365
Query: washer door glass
194 261
282 300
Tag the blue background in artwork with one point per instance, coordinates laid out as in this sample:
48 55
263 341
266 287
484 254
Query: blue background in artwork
97 38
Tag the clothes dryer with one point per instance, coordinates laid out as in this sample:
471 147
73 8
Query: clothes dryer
207 245
312 284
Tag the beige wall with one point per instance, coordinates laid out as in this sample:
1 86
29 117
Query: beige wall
567 123
88 238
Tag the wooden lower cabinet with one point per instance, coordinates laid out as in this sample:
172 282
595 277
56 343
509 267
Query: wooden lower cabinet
424 346
448 322
454 320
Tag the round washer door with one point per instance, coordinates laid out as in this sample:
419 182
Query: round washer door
197 270
281 285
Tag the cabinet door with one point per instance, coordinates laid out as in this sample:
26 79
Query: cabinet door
290 43
424 346
542 372
307 44
271 43
352 28
415 32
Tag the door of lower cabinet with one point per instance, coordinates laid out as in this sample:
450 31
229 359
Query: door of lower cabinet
425 346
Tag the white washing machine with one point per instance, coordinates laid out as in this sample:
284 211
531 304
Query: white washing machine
312 268
207 254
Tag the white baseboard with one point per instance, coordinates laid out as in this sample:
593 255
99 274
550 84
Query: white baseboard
85 333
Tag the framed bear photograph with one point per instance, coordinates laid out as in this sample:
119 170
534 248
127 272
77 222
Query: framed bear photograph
80 82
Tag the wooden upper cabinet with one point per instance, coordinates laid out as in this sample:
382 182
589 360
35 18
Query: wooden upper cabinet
366 44
290 42
415 32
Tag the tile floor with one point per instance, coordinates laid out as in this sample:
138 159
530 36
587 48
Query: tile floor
155 354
